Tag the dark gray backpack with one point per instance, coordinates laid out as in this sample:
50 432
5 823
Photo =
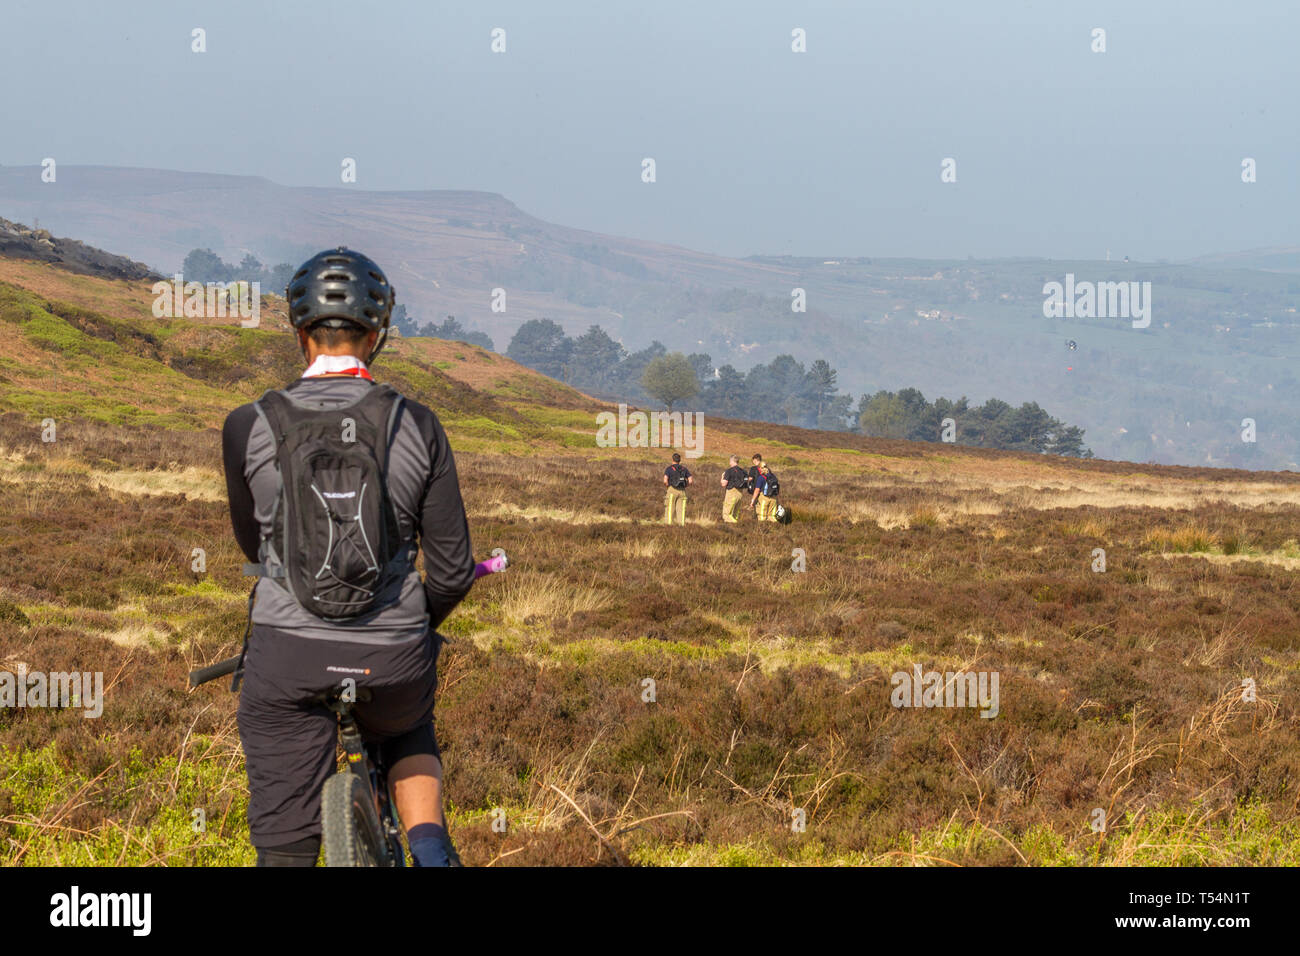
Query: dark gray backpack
335 542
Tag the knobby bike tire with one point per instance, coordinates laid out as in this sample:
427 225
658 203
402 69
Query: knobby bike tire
350 830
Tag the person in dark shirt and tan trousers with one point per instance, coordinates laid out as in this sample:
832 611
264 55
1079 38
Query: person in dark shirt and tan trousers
733 479
677 478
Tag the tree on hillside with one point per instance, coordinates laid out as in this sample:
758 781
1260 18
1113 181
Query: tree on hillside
670 379
820 385
774 390
930 425
725 395
835 414
885 415
1068 441
595 359
542 345
703 365
250 269
995 424
987 425
829 409
277 279
630 372
402 322
1030 428
204 265
452 330
789 382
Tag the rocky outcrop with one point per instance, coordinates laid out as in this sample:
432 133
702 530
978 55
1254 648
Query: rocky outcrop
21 242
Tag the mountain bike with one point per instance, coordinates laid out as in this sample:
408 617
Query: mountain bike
359 822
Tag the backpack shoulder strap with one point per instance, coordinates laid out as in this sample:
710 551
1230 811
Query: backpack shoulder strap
275 407
389 401
271 408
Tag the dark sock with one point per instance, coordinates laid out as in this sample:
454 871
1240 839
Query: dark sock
429 844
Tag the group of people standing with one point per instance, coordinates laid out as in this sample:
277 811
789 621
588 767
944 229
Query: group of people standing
759 482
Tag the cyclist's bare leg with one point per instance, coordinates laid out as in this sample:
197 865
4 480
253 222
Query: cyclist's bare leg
417 788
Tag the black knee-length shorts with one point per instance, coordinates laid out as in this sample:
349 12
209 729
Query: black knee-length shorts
290 741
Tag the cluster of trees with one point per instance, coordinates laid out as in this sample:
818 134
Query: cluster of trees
782 391
593 361
450 328
204 265
995 424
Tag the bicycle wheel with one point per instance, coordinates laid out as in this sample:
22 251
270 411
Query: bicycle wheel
350 828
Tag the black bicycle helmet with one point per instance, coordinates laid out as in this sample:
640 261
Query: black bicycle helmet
340 287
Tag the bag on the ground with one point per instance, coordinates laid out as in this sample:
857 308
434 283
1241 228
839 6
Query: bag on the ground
773 487
335 544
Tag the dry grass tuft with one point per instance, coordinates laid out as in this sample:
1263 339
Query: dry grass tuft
1186 539
528 599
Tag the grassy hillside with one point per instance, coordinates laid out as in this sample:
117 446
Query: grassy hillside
1119 691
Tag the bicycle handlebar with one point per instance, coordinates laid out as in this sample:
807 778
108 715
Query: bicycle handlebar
213 671
493 565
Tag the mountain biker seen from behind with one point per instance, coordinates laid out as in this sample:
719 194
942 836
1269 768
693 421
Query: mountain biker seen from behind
335 483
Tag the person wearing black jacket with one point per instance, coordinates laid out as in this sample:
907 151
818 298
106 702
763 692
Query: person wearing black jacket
677 478
752 478
289 742
733 480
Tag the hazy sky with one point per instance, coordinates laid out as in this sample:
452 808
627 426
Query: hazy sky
1061 152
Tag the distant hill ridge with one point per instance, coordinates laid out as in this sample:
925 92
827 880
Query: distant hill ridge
1217 362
